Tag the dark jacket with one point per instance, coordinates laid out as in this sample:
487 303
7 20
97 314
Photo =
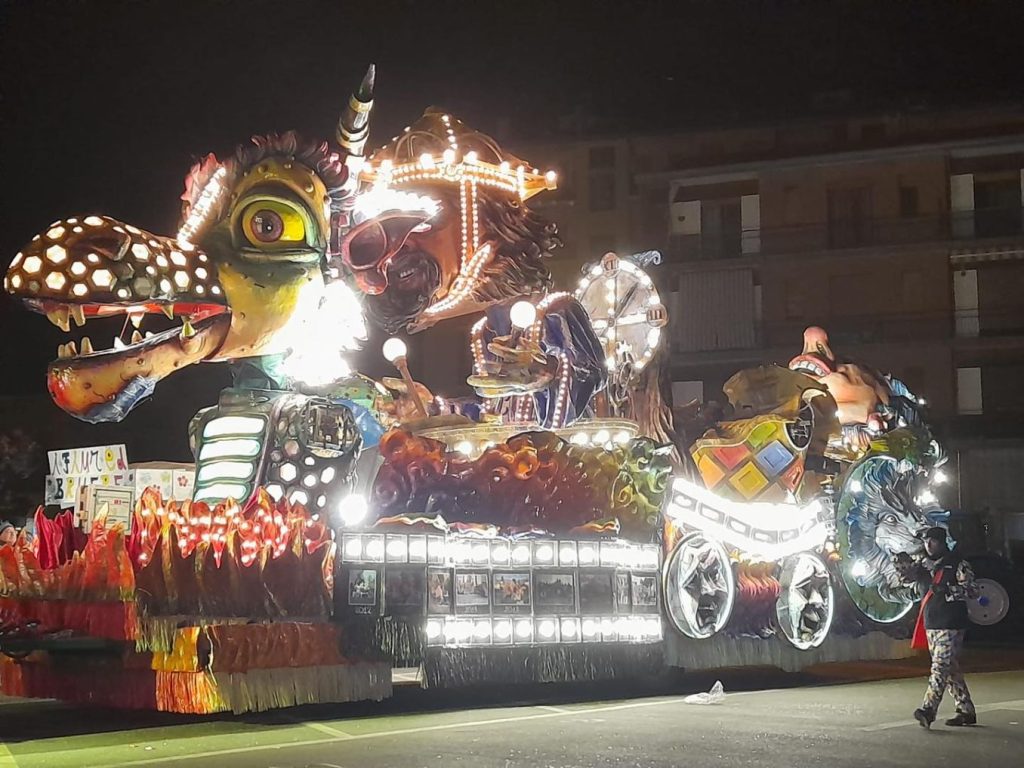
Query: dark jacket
947 607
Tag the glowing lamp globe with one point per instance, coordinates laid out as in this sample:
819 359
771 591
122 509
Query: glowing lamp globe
523 314
352 510
393 349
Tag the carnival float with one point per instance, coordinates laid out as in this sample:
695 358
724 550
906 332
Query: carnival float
556 526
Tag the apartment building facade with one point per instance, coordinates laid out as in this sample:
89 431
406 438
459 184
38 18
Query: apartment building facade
901 234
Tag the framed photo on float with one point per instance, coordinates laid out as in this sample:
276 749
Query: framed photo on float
511 592
644 593
554 592
597 593
362 590
404 591
440 594
622 601
472 592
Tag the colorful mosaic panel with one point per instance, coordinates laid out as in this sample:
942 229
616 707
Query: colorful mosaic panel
748 480
731 456
774 458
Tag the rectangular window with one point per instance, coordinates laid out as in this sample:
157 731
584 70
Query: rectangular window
908 202
602 158
849 217
602 191
721 228
965 302
997 205
968 391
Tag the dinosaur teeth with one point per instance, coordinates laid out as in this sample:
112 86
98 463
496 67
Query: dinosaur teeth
59 317
118 344
136 318
168 309
136 337
86 346
187 331
62 351
78 314
72 349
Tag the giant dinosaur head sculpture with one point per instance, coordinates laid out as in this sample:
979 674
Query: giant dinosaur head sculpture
244 272
442 228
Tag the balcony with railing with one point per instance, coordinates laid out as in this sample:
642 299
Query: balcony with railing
849 233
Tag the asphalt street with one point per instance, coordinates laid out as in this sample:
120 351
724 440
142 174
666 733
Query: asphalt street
819 723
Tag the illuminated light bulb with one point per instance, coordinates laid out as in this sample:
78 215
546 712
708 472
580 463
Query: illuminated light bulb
471 157
580 438
482 629
524 628
417 549
940 476
480 553
855 486
449 156
570 628
520 554
587 554
602 437
393 349
434 630
922 401
375 549
500 552
567 555
546 629
523 314
545 553
464 447
503 629
396 549
622 438
352 510
427 160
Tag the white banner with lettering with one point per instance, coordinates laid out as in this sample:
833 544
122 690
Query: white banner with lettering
72 468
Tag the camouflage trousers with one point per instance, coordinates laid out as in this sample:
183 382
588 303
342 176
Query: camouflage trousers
945 645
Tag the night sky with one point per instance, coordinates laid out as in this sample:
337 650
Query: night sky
105 103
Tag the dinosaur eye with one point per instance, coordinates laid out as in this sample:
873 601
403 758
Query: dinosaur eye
890 519
267 222
266 226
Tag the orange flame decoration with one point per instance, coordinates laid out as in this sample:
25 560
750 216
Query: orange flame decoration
100 572
185 559
263 529
193 559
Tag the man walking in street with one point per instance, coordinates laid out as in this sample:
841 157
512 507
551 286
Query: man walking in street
943 621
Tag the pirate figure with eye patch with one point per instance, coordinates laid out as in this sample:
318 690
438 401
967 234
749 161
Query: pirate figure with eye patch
441 229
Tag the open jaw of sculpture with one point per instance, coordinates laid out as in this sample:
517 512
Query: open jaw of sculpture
244 272
859 392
